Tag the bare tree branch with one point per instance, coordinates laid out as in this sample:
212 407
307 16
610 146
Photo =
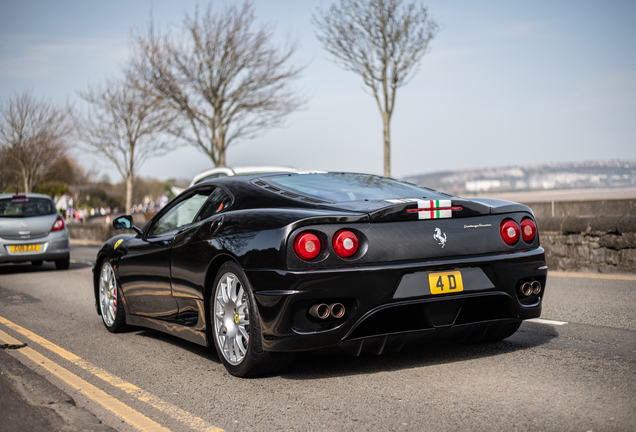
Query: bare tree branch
33 135
225 78
125 124
383 42
9 177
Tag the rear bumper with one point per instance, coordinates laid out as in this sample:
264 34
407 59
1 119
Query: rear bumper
385 311
53 247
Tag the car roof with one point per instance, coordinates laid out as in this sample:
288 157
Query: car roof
263 181
28 195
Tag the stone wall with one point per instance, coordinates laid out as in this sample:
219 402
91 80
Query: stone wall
95 233
96 230
593 244
584 208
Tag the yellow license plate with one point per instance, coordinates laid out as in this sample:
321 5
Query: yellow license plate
26 248
445 282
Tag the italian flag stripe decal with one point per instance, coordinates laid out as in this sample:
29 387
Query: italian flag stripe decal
434 205
427 209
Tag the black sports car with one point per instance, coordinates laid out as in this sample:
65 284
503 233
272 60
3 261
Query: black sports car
262 266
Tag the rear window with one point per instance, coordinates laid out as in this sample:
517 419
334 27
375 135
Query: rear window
342 187
26 207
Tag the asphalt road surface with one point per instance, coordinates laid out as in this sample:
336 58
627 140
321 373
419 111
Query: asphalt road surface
575 372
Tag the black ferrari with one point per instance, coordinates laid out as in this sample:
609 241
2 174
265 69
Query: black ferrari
263 266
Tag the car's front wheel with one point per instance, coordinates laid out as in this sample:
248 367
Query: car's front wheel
236 327
110 304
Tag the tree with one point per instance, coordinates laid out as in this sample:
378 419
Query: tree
125 123
33 135
383 41
9 181
224 77
60 176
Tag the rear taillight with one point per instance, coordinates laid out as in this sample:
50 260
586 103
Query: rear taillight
345 243
528 230
58 225
509 231
307 246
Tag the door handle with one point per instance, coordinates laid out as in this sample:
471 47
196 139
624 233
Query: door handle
216 225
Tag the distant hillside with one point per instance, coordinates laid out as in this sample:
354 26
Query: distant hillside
576 175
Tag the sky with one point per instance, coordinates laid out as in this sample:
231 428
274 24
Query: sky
505 83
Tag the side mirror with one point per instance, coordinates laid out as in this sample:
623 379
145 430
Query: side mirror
125 222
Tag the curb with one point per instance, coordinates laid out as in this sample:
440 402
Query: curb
37 404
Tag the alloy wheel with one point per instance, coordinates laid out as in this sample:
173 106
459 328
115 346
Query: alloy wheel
108 294
231 318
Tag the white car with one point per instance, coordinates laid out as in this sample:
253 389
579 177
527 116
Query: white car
227 171
32 230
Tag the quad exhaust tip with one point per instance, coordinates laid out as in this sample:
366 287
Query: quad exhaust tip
320 310
324 311
337 310
529 288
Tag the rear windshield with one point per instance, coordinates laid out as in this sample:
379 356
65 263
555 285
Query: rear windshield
26 207
342 187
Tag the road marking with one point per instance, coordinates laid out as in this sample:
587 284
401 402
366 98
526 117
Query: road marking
133 417
591 276
173 411
86 242
81 261
545 321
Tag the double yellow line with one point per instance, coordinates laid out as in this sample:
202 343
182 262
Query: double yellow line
128 414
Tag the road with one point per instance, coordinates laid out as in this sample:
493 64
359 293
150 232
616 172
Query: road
577 372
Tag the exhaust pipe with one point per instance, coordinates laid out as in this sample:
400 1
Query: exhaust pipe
337 310
320 310
526 289
536 287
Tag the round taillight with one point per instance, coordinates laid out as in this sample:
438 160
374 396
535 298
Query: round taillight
345 243
528 230
509 231
307 246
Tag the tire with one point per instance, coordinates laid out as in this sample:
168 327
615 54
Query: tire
236 328
63 264
110 304
37 263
